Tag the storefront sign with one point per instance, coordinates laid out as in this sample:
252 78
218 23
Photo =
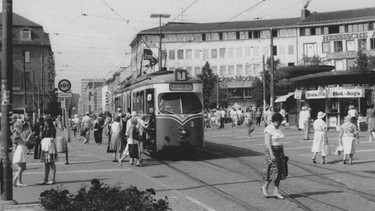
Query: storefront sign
345 93
298 94
344 37
237 78
316 94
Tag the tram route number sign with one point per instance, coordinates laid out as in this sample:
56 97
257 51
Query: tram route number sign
64 85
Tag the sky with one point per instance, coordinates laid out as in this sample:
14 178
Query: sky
90 38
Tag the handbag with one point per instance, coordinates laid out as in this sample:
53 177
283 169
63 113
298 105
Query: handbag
339 149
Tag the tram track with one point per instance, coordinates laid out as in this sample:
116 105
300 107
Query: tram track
211 187
294 197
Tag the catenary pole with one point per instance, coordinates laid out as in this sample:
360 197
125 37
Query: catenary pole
6 104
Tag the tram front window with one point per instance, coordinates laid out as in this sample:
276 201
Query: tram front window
180 103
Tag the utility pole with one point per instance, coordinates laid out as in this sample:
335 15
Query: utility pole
6 104
160 35
272 90
264 85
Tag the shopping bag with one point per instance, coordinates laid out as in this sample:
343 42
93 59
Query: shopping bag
339 149
326 150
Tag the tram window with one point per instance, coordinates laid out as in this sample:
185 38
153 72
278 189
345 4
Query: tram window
180 103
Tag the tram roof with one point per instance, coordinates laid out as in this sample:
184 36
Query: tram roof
158 77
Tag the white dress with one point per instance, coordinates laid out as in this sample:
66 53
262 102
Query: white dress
320 128
19 155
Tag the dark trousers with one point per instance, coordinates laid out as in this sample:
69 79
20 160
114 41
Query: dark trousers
37 149
97 137
222 121
100 135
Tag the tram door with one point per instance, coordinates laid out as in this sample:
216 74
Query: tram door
150 100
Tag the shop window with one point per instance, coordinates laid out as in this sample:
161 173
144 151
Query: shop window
326 47
362 44
247 92
350 45
337 46
236 93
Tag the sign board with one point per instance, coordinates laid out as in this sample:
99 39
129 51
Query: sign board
64 94
316 94
345 93
64 85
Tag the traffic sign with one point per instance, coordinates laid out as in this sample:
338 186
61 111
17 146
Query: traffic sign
64 94
64 85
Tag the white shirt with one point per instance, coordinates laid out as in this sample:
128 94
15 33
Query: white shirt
277 135
116 127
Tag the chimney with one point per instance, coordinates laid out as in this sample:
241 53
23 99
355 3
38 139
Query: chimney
305 13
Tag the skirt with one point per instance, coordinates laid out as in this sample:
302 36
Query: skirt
19 155
348 143
278 169
115 145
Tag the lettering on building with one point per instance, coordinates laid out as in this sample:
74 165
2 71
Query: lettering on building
337 37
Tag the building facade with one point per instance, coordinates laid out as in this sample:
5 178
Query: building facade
33 68
235 50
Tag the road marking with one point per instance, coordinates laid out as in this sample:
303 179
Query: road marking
63 163
79 171
199 203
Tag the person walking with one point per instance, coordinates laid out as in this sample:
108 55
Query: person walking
133 142
370 119
49 152
218 119
348 134
275 167
320 138
115 145
76 127
268 116
222 119
249 120
96 130
86 126
258 117
19 156
303 122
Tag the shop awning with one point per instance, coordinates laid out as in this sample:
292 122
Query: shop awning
283 98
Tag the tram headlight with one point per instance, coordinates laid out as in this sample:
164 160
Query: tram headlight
182 131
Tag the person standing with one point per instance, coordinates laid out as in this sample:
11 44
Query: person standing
268 116
76 127
370 119
96 130
101 122
320 138
348 134
115 145
86 126
303 122
38 132
133 142
49 152
19 155
275 167
222 119
249 117
218 119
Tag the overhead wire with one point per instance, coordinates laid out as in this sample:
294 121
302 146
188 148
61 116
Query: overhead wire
125 20
184 10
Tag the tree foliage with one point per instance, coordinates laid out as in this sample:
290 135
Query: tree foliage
209 80
363 62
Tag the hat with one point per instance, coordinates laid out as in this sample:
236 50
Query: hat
351 107
75 115
87 113
321 115
304 108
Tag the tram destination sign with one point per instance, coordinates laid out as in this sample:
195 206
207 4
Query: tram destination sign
181 87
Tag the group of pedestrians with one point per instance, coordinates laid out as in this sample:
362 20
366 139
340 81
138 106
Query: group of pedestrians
41 138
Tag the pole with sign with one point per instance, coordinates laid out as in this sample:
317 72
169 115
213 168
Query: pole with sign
64 85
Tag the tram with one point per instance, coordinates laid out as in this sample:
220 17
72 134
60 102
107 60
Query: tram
176 101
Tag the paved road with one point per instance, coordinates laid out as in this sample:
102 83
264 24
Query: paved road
91 161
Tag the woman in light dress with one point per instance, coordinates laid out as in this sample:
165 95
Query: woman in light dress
115 144
320 138
19 155
370 117
348 134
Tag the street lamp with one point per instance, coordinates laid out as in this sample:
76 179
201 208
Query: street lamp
160 16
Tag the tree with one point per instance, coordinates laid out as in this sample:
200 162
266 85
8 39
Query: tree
315 60
363 62
209 81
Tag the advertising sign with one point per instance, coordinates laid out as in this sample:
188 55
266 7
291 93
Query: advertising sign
338 92
298 94
316 94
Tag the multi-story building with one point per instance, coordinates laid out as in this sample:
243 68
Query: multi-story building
235 50
92 96
33 68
